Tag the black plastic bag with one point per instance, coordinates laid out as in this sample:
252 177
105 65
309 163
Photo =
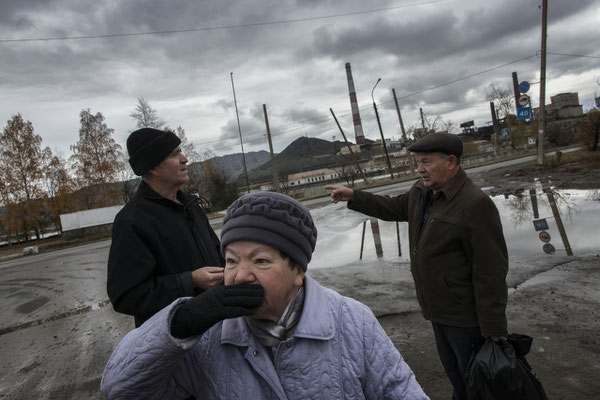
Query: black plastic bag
499 371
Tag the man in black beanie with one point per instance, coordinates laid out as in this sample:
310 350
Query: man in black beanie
163 246
458 254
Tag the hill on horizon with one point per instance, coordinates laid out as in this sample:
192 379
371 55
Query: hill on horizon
303 154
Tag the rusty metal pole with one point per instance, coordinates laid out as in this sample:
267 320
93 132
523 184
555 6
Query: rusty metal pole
558 219
496 126
398 236
349 147
387 157
237 115
362 241
534 203
516 92
376 237
542 108
273 163
411 160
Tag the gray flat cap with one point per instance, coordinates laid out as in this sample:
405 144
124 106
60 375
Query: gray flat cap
446 143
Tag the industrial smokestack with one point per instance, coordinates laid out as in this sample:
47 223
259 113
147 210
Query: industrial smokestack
358 131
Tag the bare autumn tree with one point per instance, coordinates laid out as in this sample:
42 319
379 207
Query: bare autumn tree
59 188
5 215
589 129
187 147
146 116
196 170
22 165
221 190
502 97
128 181
96 160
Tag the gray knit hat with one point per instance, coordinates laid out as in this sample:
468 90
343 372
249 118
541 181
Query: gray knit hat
274 219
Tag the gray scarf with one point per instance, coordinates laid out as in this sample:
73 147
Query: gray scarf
269 333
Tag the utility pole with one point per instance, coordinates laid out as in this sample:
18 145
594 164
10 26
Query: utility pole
240 131
273 163
349 147
542 108
387 157
404 138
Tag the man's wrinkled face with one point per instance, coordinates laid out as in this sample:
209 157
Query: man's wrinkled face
173 169
436 169
257 263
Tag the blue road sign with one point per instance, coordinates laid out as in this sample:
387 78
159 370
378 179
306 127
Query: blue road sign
524 87
523 112
548 248
504 132
540 224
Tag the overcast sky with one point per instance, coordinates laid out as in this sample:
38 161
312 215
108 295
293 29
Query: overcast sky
440 56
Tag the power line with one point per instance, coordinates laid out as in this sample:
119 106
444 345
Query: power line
461 79
327 118
572 55
253 24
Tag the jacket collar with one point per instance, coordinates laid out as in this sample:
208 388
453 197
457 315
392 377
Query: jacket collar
145 191
452 187
316 321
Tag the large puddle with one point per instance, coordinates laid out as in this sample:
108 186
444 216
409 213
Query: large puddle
340 230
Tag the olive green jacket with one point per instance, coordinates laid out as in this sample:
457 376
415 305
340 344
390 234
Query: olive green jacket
458 257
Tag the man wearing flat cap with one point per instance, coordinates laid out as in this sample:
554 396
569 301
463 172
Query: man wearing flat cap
163 246
458 254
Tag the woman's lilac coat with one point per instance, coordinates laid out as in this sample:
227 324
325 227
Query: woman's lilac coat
338 351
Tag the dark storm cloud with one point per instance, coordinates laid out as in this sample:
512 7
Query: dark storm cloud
13 13
297 69
302 114
252 129
225 104
493 28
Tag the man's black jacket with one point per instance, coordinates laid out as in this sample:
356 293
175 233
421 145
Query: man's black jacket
156 243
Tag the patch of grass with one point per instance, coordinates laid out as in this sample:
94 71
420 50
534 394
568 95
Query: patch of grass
585 158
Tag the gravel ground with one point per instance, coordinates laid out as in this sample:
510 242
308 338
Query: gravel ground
554 300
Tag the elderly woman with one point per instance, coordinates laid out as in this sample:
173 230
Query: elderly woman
271 332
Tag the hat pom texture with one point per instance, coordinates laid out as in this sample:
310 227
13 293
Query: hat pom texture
274 219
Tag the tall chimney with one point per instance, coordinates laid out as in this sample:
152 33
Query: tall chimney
358 131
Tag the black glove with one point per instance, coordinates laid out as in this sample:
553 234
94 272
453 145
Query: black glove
196 316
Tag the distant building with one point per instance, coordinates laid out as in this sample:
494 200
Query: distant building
562 106
392 144
477 133
314 176
356 148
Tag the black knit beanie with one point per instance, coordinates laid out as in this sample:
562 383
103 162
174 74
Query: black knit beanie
147 147
274 219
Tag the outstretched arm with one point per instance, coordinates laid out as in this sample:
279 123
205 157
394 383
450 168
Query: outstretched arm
340 193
